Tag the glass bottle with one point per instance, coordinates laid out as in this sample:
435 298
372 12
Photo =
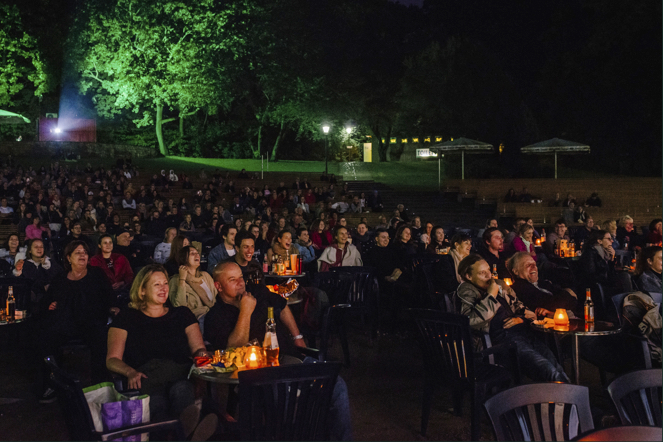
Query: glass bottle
11 305
495 271
589 306
271 343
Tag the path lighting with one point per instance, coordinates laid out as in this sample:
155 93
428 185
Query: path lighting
325 129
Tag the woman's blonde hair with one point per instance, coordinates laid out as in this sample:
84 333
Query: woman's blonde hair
624 220
610 226
137 300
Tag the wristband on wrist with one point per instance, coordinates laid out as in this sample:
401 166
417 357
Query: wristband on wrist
294 338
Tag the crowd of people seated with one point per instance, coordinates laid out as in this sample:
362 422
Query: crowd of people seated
170 274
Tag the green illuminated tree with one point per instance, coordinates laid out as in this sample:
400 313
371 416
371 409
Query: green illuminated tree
160 60
21 65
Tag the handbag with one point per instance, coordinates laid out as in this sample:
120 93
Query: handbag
111 410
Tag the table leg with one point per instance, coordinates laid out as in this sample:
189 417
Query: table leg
576 359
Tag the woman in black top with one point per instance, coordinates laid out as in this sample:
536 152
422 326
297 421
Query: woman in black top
77 305
152 343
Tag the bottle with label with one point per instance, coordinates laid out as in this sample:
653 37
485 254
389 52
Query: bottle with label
271 343
280 267
572 251
543 235
495 271
265 267
589 306
626 245
11 305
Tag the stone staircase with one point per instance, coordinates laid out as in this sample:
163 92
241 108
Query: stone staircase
444 208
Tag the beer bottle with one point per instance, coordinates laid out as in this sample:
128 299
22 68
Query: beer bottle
11 305
589 306
271 343
494 271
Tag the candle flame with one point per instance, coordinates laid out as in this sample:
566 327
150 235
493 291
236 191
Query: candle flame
252 357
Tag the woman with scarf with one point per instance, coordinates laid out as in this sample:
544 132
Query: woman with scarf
524 242
340 254
282 247
597 265
192 287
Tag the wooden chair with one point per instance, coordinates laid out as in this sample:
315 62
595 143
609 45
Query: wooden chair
286 403
551 411
637 397
78 419
449 360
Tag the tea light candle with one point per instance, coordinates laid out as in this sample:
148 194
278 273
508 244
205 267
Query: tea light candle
508 281
561 318
253 357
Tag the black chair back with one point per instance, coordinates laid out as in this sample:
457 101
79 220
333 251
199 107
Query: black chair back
637 397
286 403
446 345
75 409
618 303
542 412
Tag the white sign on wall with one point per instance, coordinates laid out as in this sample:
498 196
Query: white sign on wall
426 153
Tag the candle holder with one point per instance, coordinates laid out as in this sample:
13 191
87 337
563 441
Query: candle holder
561 320
254 357
508 281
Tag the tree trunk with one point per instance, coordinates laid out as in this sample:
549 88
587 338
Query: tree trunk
159 123
278 140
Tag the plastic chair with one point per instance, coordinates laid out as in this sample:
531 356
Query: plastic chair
449 360
551 411
358 288
78 419
637 397
286 403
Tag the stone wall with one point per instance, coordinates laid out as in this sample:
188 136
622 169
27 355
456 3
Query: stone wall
51 149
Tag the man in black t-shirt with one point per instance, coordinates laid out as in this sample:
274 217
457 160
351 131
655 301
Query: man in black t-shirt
239 316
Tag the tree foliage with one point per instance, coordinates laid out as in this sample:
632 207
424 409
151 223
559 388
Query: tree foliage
147 56
21 65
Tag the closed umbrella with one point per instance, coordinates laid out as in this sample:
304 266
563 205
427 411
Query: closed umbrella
556 145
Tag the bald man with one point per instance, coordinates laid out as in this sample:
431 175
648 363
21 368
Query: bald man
240 316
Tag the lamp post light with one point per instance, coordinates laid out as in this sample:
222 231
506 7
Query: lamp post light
325 129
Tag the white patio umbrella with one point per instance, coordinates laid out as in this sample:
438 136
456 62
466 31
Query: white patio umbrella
460 145
555 145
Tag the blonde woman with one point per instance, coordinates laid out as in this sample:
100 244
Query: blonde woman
152 345
627 233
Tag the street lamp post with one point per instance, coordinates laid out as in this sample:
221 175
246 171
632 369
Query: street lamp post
325 129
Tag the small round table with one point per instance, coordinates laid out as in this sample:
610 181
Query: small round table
624 433
576 328
232 380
